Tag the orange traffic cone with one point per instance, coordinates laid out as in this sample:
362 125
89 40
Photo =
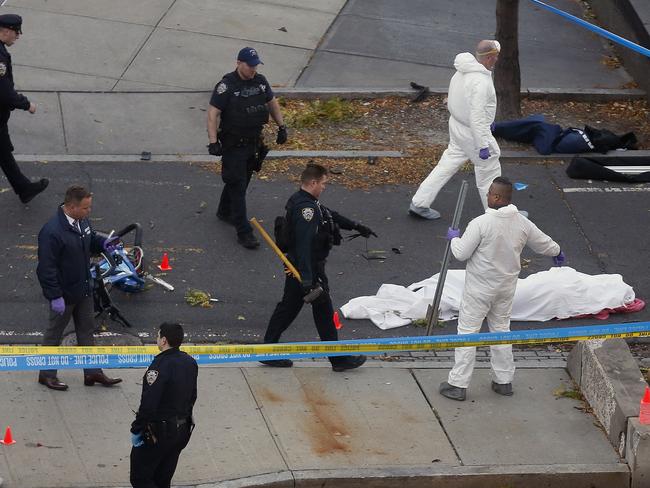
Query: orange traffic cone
644 411
164 266
8 437
337 322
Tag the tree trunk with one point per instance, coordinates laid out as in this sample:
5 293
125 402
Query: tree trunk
507 77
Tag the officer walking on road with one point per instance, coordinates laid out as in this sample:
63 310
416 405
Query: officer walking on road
65 244
163 423
10 31
312 231
239 108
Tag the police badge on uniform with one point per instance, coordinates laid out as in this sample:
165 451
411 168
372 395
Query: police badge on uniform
221 88
151 376
3 69
308 214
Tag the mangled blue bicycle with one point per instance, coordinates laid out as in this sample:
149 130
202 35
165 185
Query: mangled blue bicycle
124 269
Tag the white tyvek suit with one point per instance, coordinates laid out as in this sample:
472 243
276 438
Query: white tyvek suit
492 245
472 103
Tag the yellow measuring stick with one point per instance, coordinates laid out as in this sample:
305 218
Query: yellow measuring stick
275 248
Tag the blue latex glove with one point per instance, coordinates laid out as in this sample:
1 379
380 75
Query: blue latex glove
451 233
137 440
484 153
559 259
110 244
58 305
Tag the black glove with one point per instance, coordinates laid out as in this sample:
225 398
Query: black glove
215 149
364 231
282 135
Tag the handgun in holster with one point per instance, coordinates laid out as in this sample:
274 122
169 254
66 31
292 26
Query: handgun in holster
259 156
149 435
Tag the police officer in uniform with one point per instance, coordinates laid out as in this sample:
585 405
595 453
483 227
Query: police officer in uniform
163 423
65 244
10 31
313 230
240 106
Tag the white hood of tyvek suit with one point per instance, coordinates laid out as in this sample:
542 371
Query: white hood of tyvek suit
492 245
472 100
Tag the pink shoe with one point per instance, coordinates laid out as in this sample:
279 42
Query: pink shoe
634 306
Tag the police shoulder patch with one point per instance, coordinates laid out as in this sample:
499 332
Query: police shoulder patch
3 69
221 88
308 213
151 376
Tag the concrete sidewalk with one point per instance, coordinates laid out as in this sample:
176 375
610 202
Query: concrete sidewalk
308 426
109 78
181 45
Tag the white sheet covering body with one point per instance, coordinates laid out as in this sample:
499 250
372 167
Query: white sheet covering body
557 293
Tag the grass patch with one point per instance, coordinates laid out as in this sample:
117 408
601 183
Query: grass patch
314 113
573 393
646 374
361 133
467 167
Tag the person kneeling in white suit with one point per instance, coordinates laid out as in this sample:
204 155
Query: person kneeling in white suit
492 245
472 103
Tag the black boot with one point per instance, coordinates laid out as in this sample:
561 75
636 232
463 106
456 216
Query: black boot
278 363
248 241
351 362
33 190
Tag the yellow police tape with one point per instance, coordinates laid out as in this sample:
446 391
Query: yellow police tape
308 348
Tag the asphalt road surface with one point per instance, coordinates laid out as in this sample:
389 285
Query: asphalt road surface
601 228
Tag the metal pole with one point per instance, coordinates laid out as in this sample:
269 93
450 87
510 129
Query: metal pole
434 309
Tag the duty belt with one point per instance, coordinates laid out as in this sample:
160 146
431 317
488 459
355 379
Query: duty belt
234 140
172 421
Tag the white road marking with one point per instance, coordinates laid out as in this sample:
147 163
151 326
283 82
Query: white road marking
629 189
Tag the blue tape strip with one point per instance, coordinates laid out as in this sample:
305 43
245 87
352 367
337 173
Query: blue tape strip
594 28
77 361
559 333
114 361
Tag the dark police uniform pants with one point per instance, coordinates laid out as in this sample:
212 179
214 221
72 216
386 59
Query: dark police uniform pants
288 309
154 467
236 172
82 314
18 181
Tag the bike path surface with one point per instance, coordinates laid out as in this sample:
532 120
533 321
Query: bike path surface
176 203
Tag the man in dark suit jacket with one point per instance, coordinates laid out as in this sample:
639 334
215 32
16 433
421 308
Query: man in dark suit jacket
65 244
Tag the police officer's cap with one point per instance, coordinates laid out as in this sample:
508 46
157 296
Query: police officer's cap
249 56
12 21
